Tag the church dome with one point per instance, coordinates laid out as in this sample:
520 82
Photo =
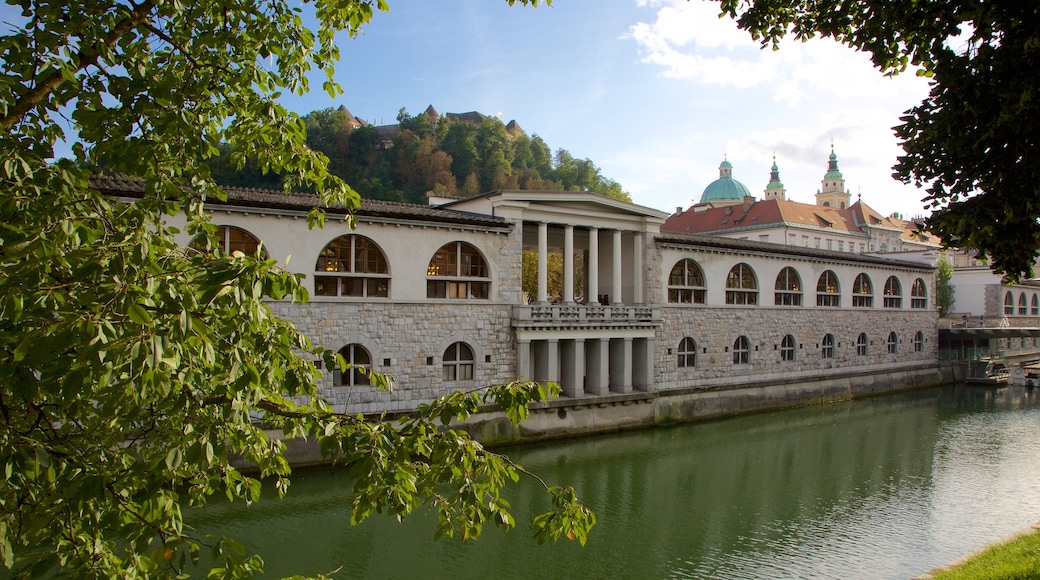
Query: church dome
725 188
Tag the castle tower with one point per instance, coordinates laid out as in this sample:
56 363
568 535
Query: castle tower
833 193
775 189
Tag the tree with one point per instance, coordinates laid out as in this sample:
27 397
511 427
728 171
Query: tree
943 289
974 140
130 369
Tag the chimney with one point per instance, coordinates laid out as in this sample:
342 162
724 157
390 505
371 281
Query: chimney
748 202
678 210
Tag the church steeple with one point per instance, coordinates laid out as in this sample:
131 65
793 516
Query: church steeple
775 189
833 192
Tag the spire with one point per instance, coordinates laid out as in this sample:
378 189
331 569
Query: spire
775 189
833 192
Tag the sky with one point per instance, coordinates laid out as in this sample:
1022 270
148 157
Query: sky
657 93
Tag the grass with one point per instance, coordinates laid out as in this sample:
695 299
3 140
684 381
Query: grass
1017 559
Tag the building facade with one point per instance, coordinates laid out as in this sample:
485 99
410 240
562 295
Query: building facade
659 325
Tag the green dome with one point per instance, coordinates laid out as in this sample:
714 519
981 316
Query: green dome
725 188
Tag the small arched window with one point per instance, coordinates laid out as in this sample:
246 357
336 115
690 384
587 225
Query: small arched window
741 287
1009 304
1034 306
358 361
457 363
918 294
919 341
788 288
787 348
741 351
1022 308
458 271
892 343
827 350
861 344
229 239
687 353
862 292
893 296
686 283
352 265
828 293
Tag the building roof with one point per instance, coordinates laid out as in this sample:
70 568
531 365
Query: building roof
279 200
725 188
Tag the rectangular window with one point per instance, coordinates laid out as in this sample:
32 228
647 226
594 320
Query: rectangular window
841 246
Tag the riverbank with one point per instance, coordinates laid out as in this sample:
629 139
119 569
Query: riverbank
1017 556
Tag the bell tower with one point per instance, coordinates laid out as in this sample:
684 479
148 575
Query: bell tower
833 192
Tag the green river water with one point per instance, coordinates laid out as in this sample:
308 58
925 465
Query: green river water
888 487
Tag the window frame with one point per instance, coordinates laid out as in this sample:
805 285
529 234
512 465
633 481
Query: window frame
918 341
687 353
682 288
861 344
454 367
892 296
827 346
353 377
1009 303
788 348
1023 306
918 294
828 295
788 288
466 273
741 285
862 291
352 266
741 351
892 343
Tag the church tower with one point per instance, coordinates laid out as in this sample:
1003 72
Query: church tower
775 189
833 193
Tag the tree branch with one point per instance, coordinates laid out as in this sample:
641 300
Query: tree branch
85 58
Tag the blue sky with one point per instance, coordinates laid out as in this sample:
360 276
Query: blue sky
655 92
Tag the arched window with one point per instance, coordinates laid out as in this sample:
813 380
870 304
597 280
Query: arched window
892 343
1022 308
827 350
458 270
741 287
741 351
893 297
787 348
230 239
918 294
862 292
457 364
861 344
1009 304
352 265
686 283
828 293
919 341
1034 306
687 353
788 288
358 360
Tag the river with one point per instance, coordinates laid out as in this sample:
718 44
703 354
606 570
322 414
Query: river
888 487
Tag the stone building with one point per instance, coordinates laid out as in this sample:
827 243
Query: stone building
676 326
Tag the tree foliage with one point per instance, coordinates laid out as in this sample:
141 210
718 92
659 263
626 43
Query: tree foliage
943 288
131 369
974 142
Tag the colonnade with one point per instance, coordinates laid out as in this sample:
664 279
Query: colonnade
594 262
592 365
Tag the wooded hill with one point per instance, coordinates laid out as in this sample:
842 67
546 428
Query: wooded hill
454 155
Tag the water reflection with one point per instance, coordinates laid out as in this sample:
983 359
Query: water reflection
881 488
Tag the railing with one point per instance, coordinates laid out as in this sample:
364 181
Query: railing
590 313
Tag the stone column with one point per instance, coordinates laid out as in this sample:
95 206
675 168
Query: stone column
597 373
543 263
592 267
568 264
553 361
637 269
523 359
621 365
643 364
572 358
616 274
